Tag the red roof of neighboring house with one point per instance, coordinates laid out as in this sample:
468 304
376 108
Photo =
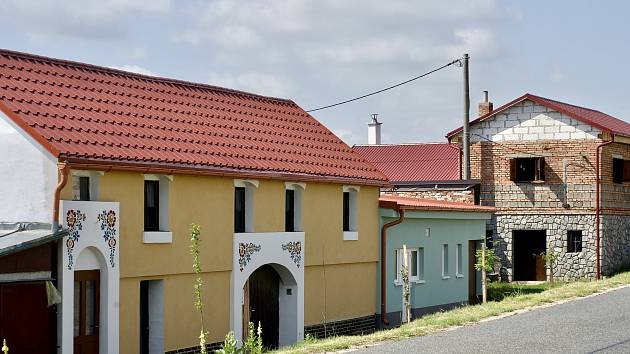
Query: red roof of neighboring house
89 114
414 162
389 201
586 115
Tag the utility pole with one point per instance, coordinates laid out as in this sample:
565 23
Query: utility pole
465 133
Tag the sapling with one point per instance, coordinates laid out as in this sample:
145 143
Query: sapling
195 231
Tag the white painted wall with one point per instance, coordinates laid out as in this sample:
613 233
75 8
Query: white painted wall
529 121
29 176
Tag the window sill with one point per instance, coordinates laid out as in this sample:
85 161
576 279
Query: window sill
350 236
444 277
399 283
459 275
157 237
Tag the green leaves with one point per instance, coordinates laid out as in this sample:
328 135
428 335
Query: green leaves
490 260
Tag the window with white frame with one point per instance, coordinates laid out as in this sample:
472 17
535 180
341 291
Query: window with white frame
156 209
293 206
415 261
445 261
85 185
350 196
459 259
244 205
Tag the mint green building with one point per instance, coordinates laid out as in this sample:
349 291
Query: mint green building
440 238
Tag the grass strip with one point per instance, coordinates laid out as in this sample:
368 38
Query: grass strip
462 316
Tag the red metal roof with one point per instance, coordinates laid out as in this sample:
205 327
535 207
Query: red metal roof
414 162
90 114
387 201
586 115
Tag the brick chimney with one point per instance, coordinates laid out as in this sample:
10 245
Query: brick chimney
485 107
374 131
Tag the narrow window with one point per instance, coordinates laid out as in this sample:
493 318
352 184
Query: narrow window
397 265
459 259
289 211
346 211
151 205
527 169
239 209
618 170
574 241
444 261
415 262
84 188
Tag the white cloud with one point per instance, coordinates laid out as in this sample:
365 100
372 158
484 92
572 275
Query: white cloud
135 69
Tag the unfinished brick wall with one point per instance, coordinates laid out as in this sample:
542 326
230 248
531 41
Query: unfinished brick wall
462 196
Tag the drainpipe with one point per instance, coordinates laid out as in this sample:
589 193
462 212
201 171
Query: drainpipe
597 208
401 216
63 171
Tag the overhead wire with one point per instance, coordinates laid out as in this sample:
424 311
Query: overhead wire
387 88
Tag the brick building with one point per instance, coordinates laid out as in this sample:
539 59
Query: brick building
537 160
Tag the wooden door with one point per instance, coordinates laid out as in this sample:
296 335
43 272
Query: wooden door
263 303
86 311
472 273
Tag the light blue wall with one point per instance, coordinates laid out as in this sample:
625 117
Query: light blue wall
446 227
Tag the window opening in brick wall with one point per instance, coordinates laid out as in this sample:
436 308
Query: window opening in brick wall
489 239
574 241
621 170
527 169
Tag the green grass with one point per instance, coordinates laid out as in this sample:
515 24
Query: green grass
499 291
511 298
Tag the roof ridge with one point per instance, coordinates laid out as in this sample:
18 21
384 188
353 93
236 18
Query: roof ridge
158 79
402 144
568 104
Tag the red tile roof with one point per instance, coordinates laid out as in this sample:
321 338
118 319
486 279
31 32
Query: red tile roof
90 114
586 115
388 201
413 162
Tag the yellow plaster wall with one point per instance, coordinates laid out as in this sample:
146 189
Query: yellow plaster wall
349 280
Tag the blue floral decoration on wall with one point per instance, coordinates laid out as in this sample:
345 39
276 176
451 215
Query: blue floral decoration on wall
245 251
107 220
74 222
295 251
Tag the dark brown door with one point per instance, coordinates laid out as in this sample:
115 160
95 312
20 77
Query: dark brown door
263 303
26 321
528 246
472 272
86 311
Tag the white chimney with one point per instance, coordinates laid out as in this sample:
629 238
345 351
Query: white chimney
374 131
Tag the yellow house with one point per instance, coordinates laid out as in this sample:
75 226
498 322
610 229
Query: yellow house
126 163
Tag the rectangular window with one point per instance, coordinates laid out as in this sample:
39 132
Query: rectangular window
415 261
574 241
445 261
84 188
621 170
527 169
151 205
459 258
289 211
239 209
346 211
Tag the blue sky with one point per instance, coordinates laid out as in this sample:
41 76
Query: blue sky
321 52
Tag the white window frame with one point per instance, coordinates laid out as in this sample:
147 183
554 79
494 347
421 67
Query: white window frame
250 186
398 255
164 235
459 260
353 233
94 182
445 270
298 188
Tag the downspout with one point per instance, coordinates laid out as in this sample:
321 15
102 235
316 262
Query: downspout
401 216
597 208
63 171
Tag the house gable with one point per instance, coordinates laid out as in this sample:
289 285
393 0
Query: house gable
530 121
29 176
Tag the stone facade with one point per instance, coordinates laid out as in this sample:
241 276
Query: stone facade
568 266
615 242
462 196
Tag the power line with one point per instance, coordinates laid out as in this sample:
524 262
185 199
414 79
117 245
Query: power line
387 88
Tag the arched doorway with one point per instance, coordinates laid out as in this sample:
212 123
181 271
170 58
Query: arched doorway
263 288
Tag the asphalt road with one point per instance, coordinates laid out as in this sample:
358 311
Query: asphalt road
599 324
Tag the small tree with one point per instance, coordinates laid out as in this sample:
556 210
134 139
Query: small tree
549 258
195 231
485 262
406 288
